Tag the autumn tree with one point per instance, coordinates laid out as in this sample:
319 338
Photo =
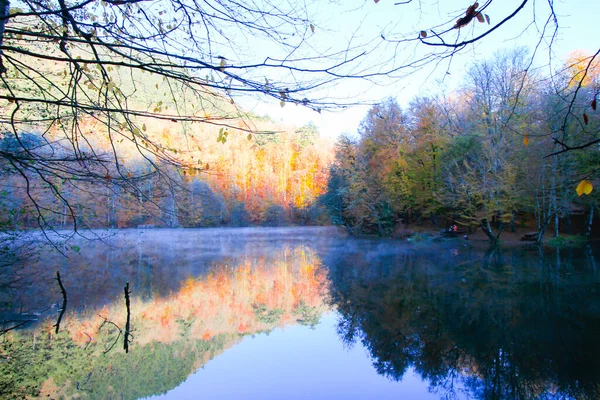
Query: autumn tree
73 72
486 156
382 140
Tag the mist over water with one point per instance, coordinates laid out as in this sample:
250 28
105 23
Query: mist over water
214 311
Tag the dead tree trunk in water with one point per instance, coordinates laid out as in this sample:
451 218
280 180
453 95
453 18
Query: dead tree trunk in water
64 305
128 323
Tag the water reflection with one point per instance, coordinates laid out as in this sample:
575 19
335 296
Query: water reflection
472 324
499 325
173 334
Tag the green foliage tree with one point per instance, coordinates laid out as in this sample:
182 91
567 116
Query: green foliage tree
487 157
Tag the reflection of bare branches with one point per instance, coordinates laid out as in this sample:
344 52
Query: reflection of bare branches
64 305
107 321
127 334
127 324
89 340
80 385
3 331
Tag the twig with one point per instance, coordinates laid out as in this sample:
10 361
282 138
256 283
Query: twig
89 340
3 331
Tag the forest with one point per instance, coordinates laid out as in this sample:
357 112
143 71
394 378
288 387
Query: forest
112 119
129 129
489 155
269 179
217 165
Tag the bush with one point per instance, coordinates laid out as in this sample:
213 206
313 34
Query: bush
562 242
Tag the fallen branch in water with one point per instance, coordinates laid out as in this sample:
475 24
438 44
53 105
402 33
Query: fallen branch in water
127 324
64 305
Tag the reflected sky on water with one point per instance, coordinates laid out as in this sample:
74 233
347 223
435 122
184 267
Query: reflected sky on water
297 363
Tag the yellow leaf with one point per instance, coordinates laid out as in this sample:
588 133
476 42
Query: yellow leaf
282 103
312 28
526 140
584 187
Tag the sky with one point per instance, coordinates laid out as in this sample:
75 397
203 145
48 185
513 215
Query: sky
339 22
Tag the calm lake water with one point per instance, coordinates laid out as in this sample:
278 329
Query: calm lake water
299 313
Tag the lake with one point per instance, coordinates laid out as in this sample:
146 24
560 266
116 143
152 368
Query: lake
298 313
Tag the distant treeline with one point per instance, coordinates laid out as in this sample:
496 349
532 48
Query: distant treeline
508 148
271 179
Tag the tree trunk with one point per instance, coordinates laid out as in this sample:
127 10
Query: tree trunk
590 256
341 209
554 194
543 228
588 230
435 220
568 229
487 229
513 222
4 12
379 226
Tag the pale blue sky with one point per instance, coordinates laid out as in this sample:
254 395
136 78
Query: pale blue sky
365 21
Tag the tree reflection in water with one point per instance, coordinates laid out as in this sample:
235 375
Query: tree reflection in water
509 324
172 335
502 324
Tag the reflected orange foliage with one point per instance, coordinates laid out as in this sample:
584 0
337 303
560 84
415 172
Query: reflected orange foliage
223 302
